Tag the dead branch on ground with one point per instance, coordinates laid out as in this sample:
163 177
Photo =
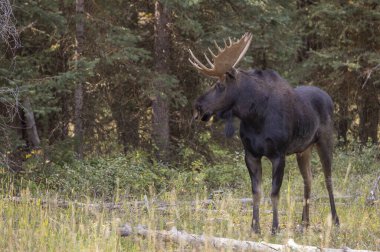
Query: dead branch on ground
185 239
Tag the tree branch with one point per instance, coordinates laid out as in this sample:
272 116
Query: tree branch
369 73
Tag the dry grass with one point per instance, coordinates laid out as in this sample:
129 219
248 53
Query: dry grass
37 226
32 226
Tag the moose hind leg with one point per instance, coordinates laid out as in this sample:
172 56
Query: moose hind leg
303 161
254 169
278 166
325 148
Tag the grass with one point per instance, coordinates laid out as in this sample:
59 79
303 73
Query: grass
33 225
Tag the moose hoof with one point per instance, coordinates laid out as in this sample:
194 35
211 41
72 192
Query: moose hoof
336 221
301 228
305 224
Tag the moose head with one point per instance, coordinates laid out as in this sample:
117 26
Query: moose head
219 99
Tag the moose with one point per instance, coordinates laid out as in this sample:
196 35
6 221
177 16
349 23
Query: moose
276 120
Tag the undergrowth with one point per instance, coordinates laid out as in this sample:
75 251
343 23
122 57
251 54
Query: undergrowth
35 222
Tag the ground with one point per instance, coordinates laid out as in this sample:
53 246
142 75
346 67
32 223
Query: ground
42 221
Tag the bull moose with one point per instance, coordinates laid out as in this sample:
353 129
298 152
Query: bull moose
276 120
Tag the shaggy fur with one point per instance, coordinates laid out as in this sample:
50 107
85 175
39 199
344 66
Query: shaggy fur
275 120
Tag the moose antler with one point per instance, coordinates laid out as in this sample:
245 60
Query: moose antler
226 58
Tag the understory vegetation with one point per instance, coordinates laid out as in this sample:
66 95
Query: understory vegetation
160 197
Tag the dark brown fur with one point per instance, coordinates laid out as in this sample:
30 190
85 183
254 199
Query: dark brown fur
276 120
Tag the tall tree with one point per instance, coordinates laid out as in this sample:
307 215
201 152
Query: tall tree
78 95
309 38
344 62
160 103
30 123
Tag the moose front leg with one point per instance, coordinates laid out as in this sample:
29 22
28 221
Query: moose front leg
278 165
254 169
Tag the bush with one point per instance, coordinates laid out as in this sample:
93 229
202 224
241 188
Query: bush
138 174
103 176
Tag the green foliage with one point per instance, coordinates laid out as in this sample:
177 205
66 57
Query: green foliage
104 177
130 175
358 160
117 70
227 176
137 174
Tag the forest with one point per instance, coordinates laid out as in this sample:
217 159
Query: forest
97 129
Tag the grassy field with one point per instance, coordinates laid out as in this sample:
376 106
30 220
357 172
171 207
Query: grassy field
36 222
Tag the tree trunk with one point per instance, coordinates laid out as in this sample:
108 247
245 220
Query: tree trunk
78 95
160 103
30 123
309 41
369 117
343 122
342 97
127 124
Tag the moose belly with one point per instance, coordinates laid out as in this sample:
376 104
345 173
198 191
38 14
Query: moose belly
305 134
300 144
263 145
301 147
259 146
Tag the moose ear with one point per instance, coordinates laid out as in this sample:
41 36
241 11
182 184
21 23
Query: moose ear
231 74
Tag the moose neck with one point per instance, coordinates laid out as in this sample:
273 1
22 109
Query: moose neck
253 94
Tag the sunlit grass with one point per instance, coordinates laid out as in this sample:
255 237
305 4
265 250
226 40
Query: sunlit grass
36 222
35 226
32 226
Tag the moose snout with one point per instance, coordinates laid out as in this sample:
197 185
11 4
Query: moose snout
199 112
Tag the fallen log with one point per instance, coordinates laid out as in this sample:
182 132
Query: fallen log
185 239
